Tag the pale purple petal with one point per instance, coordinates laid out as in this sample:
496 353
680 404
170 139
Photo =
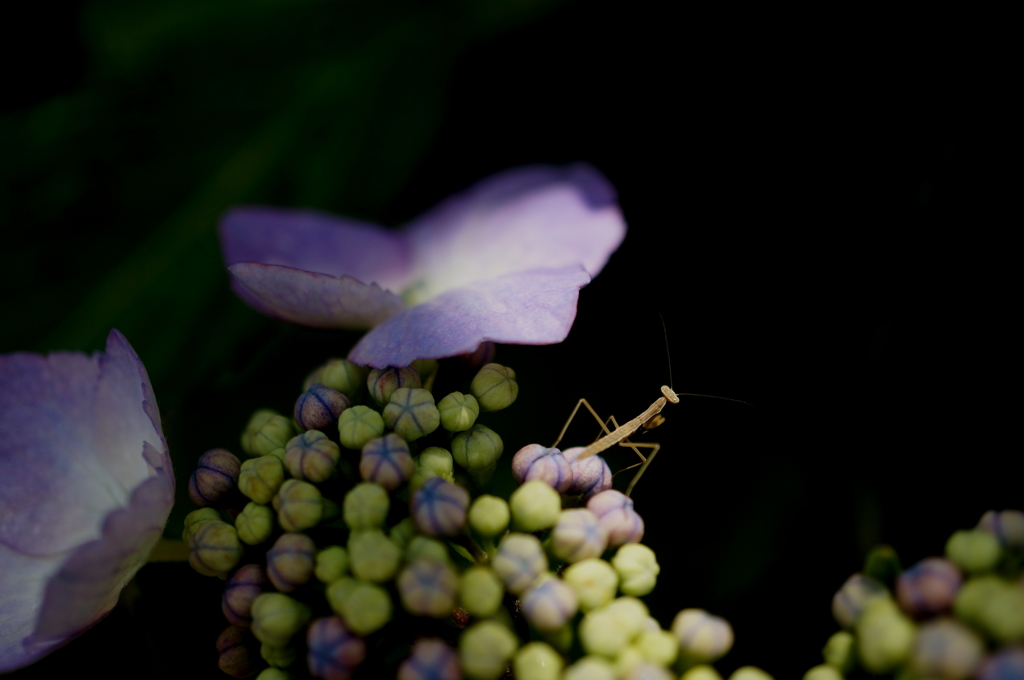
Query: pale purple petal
311 299
531 308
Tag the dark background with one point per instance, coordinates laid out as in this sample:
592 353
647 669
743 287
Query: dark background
811 209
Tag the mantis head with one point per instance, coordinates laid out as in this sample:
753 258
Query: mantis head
669 394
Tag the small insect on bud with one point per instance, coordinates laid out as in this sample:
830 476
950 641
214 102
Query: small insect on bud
477 449
594 581
578 535
481 591
340 375
458 411
495 387
195 518
311 456
945 648
254 524
215 475
1007 526
974 551
590 476
386 461
637 569
519 561
591 668
238 652
703 638
537 661
358 425
365 607
850 600
884 636
373 556
411 413
428 588
319 407
276 618
489 515
334 651
214 548
485 648
366 506
290 561
615 511
536 462
273 434
331 564
549 603
244 586
535 506
431 659
299 505
382 382
928 587
439 508
260 478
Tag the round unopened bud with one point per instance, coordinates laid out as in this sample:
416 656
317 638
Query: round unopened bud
928 587
214 549
631 613
823 672
658 646
535 506
578 535
411 413
290 561
386 461
458 411
256 421
701 672
703 638
994 606
489 515
260 478
238 653
299 505
1007 526
637 568
273 674
427 368
438 462
519 561
276 618
311 456
382 382
974 551
366 506
1006 664
280 657
594 581
215 475
495 387
338 374
749 673
591 668
331 564
319 407
428 588
365 607
946 649
403 532
548 603
645 670
244 586
485 648
537 661
334 651
272 435
850 600
431 659
195 519
839 651
615 512
589 476
481 591
423 548
536 462
477 449
601 633
255 523
358 425
439 507
372 555
884 636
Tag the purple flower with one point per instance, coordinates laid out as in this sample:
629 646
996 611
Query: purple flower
86 489
503 262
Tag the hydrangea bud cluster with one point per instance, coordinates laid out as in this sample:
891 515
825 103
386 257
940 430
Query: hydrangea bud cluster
953 617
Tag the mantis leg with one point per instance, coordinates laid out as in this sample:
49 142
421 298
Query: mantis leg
572 415
654 450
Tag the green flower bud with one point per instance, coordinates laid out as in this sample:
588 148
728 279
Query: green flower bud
273 674
535 506
255 523
519 561
366 506
312 456
427 368
276 618
279 657
411 413
428 588
196 518
701 672
331 564
628 659
237 652
481 591
974 550
403 533
382 382
495 387
214 548
299 505
358 425
591 668
839 651
372 555
993 605
489 515
658 646
340 375
256 421
945 648
365 607
260 478
645 670
703 638
850 600
458 411
884 636
274 434
594 581
290 561
549 603
823 672
438 462
423 548
602 632
637 569
578 535
883 565
485 648
477 449
631 613
537 661
749 673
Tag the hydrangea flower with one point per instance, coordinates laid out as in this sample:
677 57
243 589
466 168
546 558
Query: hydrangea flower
86 488
503 261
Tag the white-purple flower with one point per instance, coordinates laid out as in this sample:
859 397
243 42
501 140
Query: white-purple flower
503 262
84 495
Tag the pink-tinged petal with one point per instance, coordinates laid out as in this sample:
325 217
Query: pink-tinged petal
528 308
312 299
534 217
316 242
